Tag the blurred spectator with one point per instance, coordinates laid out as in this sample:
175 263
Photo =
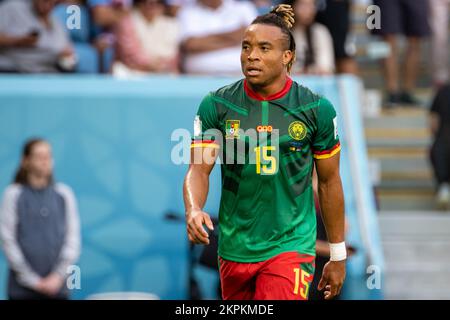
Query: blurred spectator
31 40
314 44
211 35
409 18
335 15
440 150
174 6
263 6
147 40
39 228
106 16
108 13
439 40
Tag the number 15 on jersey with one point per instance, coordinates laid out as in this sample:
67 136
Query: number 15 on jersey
270 164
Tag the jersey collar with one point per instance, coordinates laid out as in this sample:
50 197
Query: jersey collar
278 95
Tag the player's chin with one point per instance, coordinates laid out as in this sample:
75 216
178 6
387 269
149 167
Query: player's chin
253 79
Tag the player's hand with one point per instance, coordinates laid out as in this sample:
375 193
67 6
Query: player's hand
333 276
195 219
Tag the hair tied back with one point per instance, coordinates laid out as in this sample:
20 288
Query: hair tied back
286 13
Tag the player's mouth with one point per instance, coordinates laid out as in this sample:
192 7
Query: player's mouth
253 71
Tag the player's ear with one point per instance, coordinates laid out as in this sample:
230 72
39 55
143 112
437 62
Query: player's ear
287 57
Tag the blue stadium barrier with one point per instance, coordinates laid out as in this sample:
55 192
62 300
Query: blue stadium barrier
88 58
112 144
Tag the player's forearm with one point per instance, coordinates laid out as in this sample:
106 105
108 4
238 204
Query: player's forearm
322 248
195 190
331 199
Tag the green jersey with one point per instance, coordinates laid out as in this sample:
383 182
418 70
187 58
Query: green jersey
267 149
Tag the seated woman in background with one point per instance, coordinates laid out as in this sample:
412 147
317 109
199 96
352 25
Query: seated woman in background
147 40
314 52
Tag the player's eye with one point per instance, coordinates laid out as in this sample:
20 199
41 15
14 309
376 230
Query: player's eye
265 49
245 47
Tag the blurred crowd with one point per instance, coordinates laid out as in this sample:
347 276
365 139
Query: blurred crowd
126 37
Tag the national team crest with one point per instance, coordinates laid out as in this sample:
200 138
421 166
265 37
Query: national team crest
232 129
297 130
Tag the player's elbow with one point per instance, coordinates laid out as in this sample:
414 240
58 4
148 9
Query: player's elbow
330 183
330 177
196 172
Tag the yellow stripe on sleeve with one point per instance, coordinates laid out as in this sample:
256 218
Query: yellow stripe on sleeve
204 145
327 155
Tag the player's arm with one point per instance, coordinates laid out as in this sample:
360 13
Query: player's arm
195 192
331 199
204 152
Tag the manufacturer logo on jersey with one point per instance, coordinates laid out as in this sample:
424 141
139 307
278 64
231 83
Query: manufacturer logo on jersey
297 130
232 129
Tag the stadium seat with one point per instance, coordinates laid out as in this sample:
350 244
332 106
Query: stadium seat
87 58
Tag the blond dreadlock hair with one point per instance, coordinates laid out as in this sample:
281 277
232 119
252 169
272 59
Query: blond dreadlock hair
281 16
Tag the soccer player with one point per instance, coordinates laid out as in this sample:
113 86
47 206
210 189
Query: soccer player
267 219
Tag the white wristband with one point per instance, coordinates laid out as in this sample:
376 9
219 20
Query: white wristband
338 251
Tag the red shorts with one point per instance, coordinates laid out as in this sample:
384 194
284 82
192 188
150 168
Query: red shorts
286 276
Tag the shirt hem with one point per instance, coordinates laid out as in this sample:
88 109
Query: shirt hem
263 257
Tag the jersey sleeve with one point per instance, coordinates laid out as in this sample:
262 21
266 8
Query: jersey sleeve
326 141
206 124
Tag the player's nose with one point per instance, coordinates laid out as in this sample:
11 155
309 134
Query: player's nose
253 55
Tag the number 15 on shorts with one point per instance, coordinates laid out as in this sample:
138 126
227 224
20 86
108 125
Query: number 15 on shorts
302 283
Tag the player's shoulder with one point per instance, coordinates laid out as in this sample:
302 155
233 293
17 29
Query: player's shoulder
306 99
305 95
214 100
229 91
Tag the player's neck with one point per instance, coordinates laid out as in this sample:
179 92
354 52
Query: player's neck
271 89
